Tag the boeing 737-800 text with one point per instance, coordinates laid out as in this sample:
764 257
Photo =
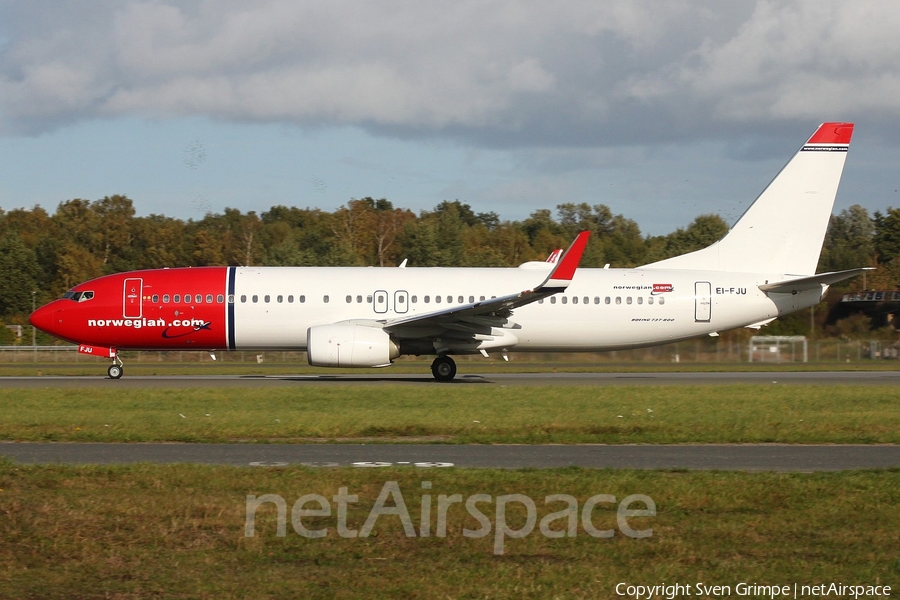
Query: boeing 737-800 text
366 317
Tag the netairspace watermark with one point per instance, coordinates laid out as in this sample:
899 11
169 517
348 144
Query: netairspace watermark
755 590
502 530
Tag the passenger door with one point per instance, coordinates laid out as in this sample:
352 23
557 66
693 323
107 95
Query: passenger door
702 301
132 307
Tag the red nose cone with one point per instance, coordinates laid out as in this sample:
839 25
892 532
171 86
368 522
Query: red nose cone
43 318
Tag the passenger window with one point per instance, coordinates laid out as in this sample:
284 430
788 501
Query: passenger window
597 300
279 299
243 298
427 299
575 300
255 298
662 300
268 298
541 301
290 299
587 300
640 300
155 298
650 300
437 299
552 299
209 298
230 298
349 299
606 300
449 299
401 300
301 299
481 298
177 298
460 300
187 298
325 299
565 300
471 299
628 300
165 298
359 299
368 299
618 299
414 299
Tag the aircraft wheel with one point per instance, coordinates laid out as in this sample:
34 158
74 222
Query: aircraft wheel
115 372
443 368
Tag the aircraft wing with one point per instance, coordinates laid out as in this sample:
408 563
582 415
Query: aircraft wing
792 286
477 320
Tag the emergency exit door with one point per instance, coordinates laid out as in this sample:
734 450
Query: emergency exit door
380 302
401 301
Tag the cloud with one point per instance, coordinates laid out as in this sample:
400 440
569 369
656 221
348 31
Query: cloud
492 72
795 60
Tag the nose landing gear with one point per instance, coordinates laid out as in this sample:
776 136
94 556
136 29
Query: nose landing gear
443 368
116 370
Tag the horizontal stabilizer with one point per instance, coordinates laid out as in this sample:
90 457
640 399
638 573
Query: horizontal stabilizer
792 286
760 324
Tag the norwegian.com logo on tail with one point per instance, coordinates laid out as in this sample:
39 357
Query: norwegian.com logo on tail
662 288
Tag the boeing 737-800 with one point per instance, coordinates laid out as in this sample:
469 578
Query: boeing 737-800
366 317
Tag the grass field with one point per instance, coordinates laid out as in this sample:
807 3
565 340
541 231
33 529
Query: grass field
736 413
178 532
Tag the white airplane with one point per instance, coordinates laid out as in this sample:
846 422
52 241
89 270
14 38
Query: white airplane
366 317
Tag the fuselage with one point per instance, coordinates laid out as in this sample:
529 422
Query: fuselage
237 308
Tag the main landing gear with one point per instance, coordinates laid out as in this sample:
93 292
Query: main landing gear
443 368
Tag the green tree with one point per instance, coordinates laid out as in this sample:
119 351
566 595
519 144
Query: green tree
887 234
19 274
849 242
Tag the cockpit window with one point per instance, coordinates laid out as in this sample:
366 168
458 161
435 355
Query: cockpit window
78 296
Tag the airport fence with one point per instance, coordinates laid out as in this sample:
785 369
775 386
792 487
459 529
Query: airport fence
692 351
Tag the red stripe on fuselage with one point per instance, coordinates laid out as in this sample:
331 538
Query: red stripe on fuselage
163 323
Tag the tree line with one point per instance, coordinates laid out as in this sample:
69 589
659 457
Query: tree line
49 253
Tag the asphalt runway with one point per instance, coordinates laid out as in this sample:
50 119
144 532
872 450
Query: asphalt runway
743 457
599 379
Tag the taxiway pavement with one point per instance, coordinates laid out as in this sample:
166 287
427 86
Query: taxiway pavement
741 457
600 379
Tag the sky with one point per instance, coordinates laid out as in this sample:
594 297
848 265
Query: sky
661 110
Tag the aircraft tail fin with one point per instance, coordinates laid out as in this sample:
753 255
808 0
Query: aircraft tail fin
783 230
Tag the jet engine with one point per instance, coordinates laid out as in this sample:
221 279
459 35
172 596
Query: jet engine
350 345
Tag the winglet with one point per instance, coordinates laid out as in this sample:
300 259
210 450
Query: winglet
564 270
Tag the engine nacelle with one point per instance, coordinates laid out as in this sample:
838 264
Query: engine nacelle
350 346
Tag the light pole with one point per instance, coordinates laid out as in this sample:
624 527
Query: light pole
33 330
